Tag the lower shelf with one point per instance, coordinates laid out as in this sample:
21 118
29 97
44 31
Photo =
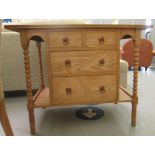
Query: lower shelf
124 97
43 98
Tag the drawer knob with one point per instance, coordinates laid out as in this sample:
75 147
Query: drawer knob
67 63
65 41
101 40
102 89
101 62
68 91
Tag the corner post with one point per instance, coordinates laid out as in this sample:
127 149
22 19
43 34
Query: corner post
38 44
25 46
135 77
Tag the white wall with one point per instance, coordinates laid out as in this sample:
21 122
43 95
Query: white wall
153 33
153 39
100 21
120 21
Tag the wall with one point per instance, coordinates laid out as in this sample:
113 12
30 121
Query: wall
126 21
153 33
153 39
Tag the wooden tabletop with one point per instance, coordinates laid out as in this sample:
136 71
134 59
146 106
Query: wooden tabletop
18 27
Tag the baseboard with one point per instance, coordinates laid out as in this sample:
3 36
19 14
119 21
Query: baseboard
17 93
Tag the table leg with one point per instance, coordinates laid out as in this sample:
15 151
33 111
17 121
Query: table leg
135 78
38 44
29 89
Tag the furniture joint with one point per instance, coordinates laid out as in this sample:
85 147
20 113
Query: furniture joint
30 106
134 100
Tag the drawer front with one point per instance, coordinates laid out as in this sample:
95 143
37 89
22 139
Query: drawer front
65 40
83 63
84 89
102 39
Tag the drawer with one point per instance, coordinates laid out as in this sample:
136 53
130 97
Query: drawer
65 40
84 89
103 39
83 63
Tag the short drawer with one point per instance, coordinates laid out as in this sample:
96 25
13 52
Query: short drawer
65 40
103 39
84 89
83 63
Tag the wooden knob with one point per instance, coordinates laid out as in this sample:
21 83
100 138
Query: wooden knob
101 39
68 91
101 62
102 89
67 63
65 40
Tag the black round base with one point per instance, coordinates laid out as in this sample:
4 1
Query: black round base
89 113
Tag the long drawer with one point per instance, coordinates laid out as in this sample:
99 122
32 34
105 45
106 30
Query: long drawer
83 63
84 89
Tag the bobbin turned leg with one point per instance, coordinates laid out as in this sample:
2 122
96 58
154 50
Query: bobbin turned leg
29 87
32 120
42 85
134 112
38 44
135 79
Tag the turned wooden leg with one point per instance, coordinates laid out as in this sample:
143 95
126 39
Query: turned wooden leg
135 79
32 121
29 89
42 85
134 113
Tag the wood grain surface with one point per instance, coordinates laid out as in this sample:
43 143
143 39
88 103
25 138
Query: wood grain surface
84 63
84 89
